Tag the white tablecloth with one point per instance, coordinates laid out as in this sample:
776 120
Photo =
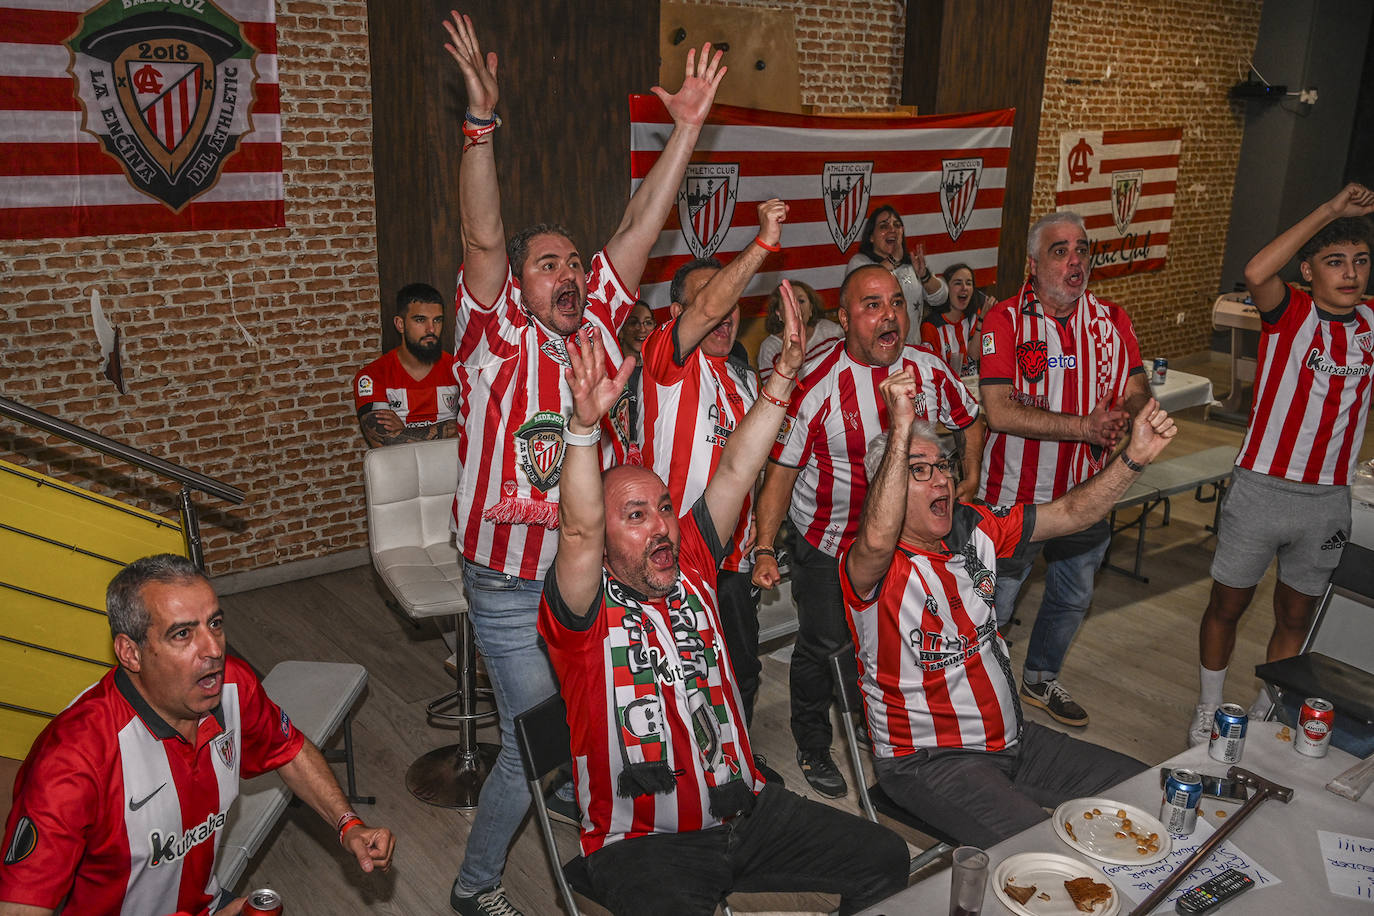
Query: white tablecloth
1281 837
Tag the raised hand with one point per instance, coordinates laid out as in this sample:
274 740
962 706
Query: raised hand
1353 200
690 104
1150 434
593 391
479 73
899 393
918 258
772 214
793 334
1106 424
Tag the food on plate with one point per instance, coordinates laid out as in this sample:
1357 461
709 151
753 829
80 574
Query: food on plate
1068 828
1043 896
1086 893
1220 813
1284 734
1087 815
1018 893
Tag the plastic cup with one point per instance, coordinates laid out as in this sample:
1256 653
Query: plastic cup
968 881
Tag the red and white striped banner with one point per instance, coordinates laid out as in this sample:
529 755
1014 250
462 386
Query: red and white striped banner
1123 183
945 174
119 117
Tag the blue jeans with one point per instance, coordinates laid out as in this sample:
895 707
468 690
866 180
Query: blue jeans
1071 563
503 610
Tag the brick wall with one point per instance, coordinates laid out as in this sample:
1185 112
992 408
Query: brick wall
272 417
1171 63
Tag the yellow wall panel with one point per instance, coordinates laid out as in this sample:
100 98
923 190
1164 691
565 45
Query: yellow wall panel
17 733
41 622
43 681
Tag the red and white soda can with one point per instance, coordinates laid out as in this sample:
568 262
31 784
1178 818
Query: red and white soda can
262 902
1316 720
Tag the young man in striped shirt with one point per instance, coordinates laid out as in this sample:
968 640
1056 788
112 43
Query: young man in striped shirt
676 814
949 742
816 479
1060 377
520 301
1290 493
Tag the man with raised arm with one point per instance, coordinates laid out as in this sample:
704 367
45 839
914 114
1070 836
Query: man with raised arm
1290 492
816 479
949 742
1060 377
694 393
519 301
676 814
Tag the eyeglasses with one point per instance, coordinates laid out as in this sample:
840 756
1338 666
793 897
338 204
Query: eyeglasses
922 471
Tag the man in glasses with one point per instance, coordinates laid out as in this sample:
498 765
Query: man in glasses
919 580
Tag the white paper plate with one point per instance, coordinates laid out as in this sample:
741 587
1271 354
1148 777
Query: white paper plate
1096 836
1048 871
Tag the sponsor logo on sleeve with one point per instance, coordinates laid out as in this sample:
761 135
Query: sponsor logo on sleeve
989 345
364 386
23 842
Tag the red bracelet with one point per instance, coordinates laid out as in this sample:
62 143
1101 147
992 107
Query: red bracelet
777 402
790 378
476 133
349 825
758 240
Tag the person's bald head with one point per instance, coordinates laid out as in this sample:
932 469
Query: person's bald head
642 533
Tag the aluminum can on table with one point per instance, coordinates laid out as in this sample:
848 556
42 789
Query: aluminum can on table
1228 733
1161 371
1316 722
262 902
1182 798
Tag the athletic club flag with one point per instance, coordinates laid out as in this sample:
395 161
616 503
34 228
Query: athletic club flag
126 116
1122 182
944 173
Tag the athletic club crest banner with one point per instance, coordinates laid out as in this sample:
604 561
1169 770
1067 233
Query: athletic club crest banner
1123 183
944 173
128 116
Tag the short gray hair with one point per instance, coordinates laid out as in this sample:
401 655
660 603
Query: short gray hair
124 597
1046 221
924 430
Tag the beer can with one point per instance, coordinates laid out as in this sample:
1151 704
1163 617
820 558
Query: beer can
1182 798
262 902
1228 733
1161 371
1316 721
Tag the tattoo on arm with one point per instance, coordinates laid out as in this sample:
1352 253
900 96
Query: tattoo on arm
376 435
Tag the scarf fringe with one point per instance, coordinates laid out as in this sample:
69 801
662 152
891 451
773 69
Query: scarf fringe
638 779
517 510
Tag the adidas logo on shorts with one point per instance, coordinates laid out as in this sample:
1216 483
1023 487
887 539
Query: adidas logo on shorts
1335 542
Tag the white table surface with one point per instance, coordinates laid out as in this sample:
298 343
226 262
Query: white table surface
1180 390
1281 837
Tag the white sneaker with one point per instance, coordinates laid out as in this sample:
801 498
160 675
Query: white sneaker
1201 730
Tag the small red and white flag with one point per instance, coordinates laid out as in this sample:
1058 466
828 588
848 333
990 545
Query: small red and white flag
119 117
1123 184
945 174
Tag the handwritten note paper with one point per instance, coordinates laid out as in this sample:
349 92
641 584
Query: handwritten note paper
1137 881
1349 864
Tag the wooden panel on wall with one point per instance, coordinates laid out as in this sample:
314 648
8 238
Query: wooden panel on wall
563 148
755 36
988 54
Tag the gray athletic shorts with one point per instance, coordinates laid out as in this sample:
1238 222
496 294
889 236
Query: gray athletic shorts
1305 524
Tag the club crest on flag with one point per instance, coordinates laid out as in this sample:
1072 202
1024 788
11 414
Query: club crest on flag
539 448
845 188
959 180
1125 196
705 205
166 92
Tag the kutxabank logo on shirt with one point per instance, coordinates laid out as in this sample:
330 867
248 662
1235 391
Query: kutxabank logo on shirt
166 88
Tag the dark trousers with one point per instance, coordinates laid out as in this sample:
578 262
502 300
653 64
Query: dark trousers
981 798
787 843
821 629
738 601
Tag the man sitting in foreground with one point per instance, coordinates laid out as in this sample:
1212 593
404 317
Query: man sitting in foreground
919 581
676 812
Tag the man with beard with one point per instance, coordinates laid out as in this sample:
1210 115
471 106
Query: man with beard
519 302
949 742
1060 377
409 394
677 815
816 479
694 393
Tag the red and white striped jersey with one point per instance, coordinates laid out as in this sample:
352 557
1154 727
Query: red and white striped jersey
687 413
835 412
384 384
932 668
115 808
513 399
600 673
951 340
1062 366
1312 386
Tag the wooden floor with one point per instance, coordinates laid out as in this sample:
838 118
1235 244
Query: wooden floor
1133 666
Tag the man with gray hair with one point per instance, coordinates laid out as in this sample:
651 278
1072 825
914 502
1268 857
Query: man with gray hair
1060 376
949 742
120 805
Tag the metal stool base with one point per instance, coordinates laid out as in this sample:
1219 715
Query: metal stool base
448 778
